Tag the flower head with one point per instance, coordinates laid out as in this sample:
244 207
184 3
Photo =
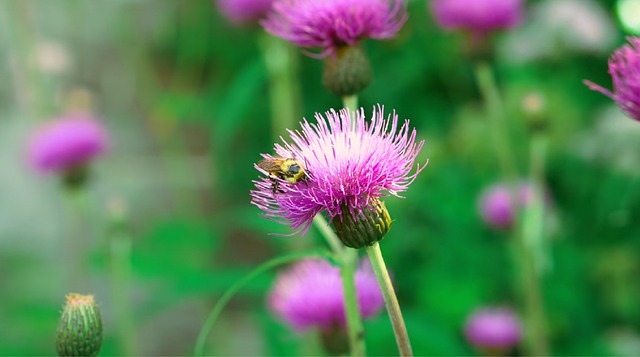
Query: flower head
478 16
624 67
347 170
309 294
497 208
493 328
67 142
244 11
331 24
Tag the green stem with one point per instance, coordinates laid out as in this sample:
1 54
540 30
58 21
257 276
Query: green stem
351 102
348 264
390 299
77 239
528 225
355 328
491 95
329 235
282 67
226 297
531 251
120 246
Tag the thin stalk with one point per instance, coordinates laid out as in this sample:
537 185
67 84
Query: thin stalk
77 240
348 262
282 68
351 102
390 299
355 328
531 251
329 235
120 246
226 297
523 231
121 275
491 96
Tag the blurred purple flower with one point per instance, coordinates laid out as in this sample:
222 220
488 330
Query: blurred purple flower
496 206
624 67
348 169
67 142
330 24
478 16
494 328
309 294
244 11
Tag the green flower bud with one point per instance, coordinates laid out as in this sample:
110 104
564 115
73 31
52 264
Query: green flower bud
370 225
347 72
80 327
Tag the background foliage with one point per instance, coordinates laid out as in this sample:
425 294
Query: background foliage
185 96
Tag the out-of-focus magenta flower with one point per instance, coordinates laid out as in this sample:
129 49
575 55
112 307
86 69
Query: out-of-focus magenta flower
493 328
331 24
67 142
309 294
244 11
477 16
624 67
348 170
496 206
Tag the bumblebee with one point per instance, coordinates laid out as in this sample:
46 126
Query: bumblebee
289 170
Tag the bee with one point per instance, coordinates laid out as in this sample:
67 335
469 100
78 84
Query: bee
289 170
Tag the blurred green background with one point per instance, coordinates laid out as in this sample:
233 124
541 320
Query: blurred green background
186 98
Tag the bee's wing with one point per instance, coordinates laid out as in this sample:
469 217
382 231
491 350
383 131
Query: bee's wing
270 165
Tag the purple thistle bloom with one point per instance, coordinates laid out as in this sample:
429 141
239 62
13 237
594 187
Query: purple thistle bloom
496 206
309 294
624 67
244 11
493 328
478 16
67 142
347 169
330 24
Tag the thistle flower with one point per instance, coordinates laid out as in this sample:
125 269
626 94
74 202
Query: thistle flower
493 329
477 16
624 67
497 208
66 142
347 173
331 24
309 294
244 11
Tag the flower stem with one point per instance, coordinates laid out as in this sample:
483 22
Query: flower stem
120 246
390 299
329 235
529 224
491 95
351 102
355 328
77 239
348 261
226 297
282 67
531 251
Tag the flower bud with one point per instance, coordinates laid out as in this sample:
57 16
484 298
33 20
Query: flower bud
80 327
370 225
347 72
